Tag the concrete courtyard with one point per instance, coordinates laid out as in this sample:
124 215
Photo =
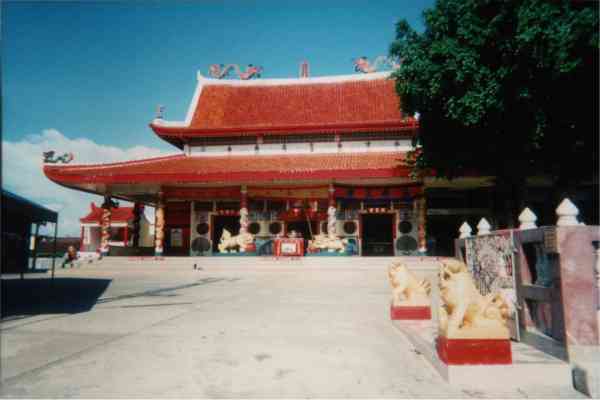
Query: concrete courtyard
157 329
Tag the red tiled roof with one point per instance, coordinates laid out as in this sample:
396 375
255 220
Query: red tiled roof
327 107
120 214
255 168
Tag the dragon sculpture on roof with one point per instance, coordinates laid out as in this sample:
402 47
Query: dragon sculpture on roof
362 64
221 71
50 158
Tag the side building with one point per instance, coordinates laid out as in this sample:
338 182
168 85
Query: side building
19 238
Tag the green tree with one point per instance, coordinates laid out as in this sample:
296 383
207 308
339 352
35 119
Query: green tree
504 88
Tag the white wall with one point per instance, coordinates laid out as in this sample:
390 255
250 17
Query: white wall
302 148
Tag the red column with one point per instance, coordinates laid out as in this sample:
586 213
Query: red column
422 220
81 240
126 236
243 197
159 226
105 224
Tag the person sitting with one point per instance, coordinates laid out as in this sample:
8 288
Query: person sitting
70 257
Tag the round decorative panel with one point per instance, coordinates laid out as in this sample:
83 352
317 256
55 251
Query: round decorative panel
405 227
275 228
202 228
406 243
350 227
200 245
254 228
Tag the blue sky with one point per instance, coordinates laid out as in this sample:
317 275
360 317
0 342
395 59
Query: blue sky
95 71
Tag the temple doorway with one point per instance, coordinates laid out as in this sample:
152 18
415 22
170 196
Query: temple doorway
377 235
220 222
301 227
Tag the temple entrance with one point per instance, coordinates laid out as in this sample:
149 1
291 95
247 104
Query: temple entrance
377 235
301 227
220 222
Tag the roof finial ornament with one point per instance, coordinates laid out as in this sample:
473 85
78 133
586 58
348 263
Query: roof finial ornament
160 109
304 69
221 71
362 64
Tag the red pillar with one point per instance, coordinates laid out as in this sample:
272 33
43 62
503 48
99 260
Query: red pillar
159 226
422 221
81 240
105 224
126 236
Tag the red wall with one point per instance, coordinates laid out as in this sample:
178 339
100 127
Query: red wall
177 215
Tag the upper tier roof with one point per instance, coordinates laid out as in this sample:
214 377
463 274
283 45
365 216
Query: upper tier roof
338 104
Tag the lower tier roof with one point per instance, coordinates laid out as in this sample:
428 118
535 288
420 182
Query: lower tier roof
234 169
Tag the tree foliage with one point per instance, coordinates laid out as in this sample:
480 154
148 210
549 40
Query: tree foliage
507 88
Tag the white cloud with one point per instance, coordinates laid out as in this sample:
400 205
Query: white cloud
22 172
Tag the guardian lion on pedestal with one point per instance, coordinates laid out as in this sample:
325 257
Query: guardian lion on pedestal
233 244
329 243
465 313
407 290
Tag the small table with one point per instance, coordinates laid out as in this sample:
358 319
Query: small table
289 247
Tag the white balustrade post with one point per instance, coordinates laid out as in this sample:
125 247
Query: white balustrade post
567 213
465 230
527 219
483 227
596 244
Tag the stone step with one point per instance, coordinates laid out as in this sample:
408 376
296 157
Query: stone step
530 366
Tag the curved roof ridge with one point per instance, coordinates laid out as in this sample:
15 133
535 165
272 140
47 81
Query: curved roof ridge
113 164
295 81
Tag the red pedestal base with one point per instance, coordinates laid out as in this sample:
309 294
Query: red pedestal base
474 351
410 312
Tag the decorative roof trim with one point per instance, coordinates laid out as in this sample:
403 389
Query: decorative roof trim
83 167
295 81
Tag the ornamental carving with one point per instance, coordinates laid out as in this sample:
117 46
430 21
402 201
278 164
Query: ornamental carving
159 231
222 71
50 158
362 64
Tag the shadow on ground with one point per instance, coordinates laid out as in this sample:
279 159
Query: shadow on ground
26 297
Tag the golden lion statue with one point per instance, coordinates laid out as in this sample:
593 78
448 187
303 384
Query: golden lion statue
231 244
407 290
465 313
327 242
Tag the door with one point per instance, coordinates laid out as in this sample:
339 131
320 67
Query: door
377 234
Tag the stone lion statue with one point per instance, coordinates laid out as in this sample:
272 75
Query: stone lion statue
231 244
407 290
330 243
465 313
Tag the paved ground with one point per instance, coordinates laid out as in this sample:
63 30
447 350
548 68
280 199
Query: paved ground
147 332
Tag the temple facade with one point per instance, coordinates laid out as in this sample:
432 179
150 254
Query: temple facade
306 166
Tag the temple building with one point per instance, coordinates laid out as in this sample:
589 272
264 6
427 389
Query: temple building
123 222
274 166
